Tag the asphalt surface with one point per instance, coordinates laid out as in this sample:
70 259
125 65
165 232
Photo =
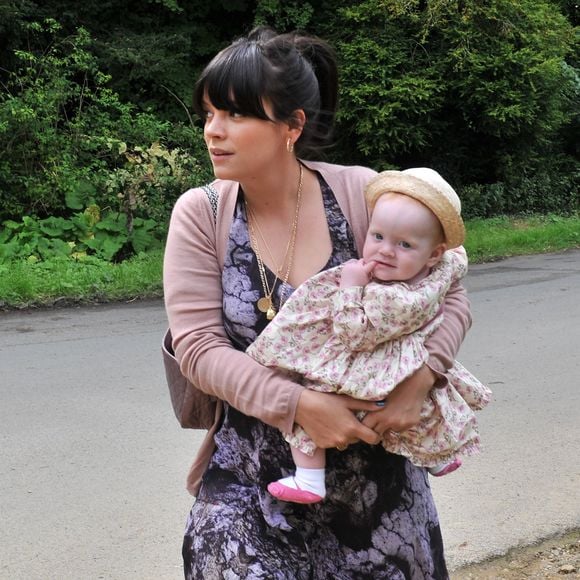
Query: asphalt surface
93 463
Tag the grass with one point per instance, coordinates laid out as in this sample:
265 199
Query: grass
496 238
65 281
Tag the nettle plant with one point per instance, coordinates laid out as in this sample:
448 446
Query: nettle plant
144 185
87 233
150 179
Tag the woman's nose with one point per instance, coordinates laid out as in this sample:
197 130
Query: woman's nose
214 126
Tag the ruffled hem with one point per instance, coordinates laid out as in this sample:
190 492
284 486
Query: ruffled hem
431 460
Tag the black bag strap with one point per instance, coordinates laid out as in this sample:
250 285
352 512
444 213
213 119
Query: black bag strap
213 197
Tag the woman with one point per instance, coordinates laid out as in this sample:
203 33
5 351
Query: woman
267 100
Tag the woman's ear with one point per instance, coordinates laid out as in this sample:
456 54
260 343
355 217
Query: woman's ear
436 254
296 124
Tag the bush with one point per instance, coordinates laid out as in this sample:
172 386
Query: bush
479 90
65 136
543 193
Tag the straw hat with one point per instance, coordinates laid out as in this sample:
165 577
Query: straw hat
428 187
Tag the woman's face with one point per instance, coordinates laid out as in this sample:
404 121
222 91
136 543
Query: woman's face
242 148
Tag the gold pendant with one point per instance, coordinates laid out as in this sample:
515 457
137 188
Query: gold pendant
271 313
264 304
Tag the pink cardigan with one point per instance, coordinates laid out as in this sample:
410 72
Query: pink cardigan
194 255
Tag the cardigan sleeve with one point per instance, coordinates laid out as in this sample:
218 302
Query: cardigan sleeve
193 301
444 344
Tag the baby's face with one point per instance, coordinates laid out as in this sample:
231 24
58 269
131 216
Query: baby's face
404 239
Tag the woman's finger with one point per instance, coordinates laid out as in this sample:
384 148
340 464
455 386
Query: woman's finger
360 405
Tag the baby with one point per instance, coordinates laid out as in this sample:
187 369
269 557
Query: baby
359 329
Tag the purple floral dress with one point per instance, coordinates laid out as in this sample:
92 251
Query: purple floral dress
378 520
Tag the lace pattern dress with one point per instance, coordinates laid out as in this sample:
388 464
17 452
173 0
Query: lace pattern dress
379 519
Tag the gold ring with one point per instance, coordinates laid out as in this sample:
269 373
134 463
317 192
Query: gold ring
341 447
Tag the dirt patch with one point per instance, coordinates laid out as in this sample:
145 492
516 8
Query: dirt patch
555 559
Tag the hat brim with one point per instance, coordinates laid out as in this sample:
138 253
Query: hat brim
424 192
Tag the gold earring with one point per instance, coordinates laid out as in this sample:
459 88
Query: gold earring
289 145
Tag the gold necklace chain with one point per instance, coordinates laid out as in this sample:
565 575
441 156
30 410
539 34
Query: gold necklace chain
278 268
266 303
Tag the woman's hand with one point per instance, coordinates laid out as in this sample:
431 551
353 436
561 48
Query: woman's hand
330 419
402 408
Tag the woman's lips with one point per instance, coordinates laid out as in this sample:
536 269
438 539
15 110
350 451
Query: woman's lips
219 154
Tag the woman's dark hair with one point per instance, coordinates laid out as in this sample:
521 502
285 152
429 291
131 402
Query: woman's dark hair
290 71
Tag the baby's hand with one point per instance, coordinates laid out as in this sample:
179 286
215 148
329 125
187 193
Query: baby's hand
356 273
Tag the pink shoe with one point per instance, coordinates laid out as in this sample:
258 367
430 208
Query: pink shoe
285 493
445 469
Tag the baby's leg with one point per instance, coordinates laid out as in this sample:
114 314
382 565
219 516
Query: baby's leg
308 484
315 461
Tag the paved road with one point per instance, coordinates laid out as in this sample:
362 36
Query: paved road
92 461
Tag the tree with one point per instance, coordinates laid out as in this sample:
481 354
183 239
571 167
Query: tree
477 86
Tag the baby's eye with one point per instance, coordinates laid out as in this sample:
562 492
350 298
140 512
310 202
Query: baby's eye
405 245
378 237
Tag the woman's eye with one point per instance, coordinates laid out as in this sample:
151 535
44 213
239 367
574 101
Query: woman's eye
207 114
236 114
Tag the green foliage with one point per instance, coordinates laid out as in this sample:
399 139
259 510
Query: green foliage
485 91
150 179
283 16
390 92
65 136
480 90
150 46
78 237
32 146
512 85
554 190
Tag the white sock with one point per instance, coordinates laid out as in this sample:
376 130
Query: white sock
312 480
437 468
